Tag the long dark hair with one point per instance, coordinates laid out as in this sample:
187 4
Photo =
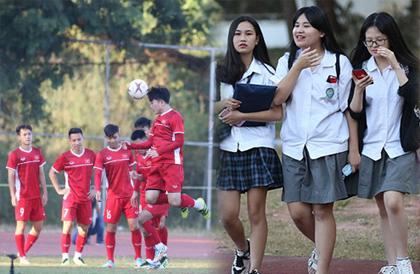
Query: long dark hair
231 68
386 25
319 20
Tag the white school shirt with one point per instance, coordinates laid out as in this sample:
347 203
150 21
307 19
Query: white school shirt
312 118
383 113
245 138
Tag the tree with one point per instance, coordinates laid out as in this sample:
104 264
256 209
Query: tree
34 39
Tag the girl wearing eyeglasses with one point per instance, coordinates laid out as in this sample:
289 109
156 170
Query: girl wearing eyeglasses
383 103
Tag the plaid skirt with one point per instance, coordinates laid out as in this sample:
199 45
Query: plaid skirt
243 170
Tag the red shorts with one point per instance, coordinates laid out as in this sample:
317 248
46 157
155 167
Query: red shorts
30 210
115 206
157 210
81 212
166 177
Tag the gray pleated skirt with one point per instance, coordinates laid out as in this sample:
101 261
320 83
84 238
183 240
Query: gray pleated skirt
399 174
318 181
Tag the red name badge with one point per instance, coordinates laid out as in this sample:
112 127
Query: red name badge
332 79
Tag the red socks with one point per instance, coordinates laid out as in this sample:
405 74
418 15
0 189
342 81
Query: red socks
186 201
30 240
80 243
20 244
65 243
110 244
136 241
152 234
163 234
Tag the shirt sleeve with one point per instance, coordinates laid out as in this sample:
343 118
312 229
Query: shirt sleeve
282 69
41 159
58 165
11 161
344 82
99 164
98 171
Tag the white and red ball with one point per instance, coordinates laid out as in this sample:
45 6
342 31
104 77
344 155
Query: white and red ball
137 89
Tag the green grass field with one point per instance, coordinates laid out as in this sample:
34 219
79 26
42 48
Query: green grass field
50 265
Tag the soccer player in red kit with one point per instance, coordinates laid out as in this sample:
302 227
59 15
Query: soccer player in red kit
165 150
144 124
122 197
150 216
77 164
25 175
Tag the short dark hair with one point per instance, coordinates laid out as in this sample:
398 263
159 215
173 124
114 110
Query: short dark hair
142 122
159 93
75 130
23 126
138 134
110 130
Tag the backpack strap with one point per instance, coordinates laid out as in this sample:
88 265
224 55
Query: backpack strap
337 65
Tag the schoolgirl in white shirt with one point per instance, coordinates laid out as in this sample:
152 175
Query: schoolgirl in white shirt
384 104
248 161
318 135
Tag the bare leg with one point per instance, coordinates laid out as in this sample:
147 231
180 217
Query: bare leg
390 251
303 218
325 233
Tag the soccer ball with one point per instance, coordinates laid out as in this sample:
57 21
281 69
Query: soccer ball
137 89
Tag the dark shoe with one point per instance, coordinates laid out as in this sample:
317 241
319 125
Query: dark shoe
238 265
255 271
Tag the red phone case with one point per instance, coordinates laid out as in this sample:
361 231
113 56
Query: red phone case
359 73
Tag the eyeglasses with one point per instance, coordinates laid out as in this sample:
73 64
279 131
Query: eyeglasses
378 42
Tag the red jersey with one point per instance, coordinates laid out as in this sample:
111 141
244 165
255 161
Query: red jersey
143 167
26 165
117 163
77 173
163 131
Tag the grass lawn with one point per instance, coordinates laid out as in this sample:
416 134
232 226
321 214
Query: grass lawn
48 265
358 231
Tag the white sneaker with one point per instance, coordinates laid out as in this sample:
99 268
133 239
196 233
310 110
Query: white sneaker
24 261
108 264
65 261
160 252
138 263
313 261
79 261
388 269
404 266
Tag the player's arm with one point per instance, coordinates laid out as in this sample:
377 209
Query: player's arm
143 145
177 143
43 185
98 183
54 181
11 180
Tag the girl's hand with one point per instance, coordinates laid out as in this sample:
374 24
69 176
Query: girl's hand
354 160
232 117
389 55
361 84
308 58
231 103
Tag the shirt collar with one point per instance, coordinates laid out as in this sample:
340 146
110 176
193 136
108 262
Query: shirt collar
371 65
253 67
328 60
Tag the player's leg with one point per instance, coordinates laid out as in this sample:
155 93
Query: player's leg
163 230
325 235
390 251
21 217
66 242
112 215
37 217
229 208
131 212
84 219
151 236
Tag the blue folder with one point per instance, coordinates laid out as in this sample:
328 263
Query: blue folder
254 98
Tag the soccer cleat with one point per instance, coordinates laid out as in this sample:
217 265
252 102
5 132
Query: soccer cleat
108 264
388 269
313 261
24 261
163 263
404 267
160 252
149 264
238 265
65 261
204 209
255 271
79 261
185 212
138 263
